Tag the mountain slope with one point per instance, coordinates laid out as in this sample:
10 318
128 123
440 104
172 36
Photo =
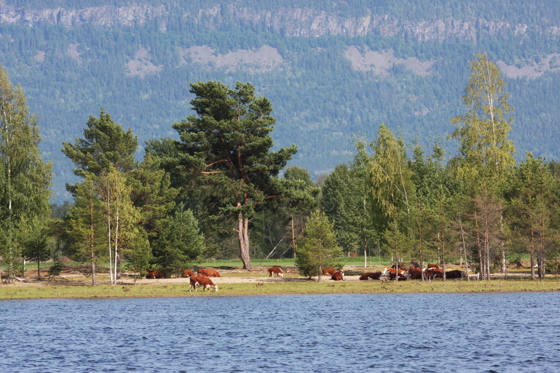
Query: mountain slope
331 69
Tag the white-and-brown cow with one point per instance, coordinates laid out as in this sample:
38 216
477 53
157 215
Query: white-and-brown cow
276 270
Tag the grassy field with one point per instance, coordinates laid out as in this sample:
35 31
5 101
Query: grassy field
290 285
239 282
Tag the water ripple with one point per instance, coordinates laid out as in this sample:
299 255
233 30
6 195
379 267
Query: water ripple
391 332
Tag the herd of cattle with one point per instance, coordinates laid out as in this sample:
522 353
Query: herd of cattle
433 271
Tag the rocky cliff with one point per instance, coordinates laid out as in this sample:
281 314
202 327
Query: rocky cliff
293 22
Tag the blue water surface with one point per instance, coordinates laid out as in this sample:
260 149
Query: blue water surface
511 332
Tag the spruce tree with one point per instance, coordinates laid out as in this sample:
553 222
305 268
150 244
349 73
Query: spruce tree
180 243
318 248
86 226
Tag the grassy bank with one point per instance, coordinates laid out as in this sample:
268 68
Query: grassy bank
180 289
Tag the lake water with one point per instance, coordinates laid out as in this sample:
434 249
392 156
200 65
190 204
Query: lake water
512 332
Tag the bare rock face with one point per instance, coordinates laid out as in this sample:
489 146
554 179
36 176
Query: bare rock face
293 22
106 16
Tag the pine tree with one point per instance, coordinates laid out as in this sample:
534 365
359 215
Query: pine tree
36 243
25 178
227 147
105 144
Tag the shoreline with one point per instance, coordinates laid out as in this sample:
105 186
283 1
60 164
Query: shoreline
64 288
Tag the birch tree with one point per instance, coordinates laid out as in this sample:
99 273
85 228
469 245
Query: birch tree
486 154
25 178
393 190
106 156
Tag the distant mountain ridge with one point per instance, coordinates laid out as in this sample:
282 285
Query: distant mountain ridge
332 70
292 22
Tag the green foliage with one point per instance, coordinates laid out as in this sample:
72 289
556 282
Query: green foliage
180 243
56 269
318 94
104 145
36 246
533 211
86 226
318 247
25 178
226 147
391 182
486 152
153 194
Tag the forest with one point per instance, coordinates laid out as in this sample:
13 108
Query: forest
332 70
221 189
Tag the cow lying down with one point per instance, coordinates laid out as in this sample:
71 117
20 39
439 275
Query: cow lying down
203 281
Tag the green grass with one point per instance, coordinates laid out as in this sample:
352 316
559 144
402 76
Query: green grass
61 289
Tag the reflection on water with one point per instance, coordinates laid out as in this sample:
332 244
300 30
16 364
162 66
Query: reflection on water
510 332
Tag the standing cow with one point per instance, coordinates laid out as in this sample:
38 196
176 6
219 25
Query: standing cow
276 270
203 281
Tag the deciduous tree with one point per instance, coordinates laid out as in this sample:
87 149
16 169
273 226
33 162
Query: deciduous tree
25 178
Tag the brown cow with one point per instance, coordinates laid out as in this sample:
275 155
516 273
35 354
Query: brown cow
276 270
393 273
433 266
454 274
155 274
372 275
328 271
432 273
187 273
206 283
338 276
208 272
416 273
203 281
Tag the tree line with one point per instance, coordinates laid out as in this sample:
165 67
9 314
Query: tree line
222 190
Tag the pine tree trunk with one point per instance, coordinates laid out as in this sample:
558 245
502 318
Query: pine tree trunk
243 234
92 245
93 279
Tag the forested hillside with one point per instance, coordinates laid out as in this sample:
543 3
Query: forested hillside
331 69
